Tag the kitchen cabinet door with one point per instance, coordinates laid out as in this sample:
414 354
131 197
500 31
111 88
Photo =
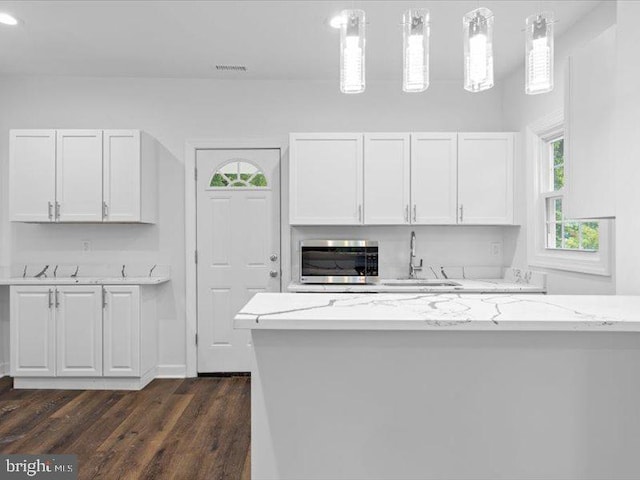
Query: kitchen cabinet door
434 164
79 175
33 327
386 178
589 116
121 331
121 176
485 178
32 173
79 330
326 179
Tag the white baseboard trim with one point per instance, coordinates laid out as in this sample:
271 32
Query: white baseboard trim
172 371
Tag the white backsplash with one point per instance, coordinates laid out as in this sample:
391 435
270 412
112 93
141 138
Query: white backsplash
451 247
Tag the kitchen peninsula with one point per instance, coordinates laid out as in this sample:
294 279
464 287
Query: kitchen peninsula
431 386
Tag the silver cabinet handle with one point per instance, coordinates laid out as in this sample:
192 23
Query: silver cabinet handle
57 212
50 299
50 210
274 257
359 213
406 213
57 299
461 213
415 213
105 210
273 273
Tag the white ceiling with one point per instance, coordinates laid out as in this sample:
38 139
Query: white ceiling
274 39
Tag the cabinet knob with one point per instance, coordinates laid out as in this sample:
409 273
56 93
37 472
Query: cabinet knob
273 273
273 257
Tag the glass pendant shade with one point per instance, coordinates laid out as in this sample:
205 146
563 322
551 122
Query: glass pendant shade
415 73
478 50
352 52
539 53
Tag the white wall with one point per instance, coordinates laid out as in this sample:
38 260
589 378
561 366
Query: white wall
521 110
627 154
174 110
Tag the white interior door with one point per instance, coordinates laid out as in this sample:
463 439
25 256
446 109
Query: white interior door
238 237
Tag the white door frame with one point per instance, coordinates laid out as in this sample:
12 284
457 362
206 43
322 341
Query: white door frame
191 293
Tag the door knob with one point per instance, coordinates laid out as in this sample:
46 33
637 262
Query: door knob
273 257
273 273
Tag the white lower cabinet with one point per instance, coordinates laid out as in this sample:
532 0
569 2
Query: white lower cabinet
78 312
121 331
103 336
33 331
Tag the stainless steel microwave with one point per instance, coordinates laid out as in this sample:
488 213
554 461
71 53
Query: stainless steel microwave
338 261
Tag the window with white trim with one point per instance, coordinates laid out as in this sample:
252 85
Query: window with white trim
555 241
562 233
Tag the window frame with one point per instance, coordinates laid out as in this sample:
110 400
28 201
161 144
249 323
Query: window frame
595 262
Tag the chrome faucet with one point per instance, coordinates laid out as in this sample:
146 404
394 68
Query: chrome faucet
412 254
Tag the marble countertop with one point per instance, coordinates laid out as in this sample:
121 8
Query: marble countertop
155 280
466 285
444 311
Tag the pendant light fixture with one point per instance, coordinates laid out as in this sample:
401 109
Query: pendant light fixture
478 50
539 53
352 52
415 73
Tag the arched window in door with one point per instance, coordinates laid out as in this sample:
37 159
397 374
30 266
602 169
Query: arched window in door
238 173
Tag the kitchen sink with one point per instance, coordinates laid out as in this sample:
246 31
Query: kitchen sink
418 282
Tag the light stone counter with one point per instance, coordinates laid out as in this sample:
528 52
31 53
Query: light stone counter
435 386
465 286
447 311
85 280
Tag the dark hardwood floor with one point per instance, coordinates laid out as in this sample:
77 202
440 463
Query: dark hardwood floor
173 429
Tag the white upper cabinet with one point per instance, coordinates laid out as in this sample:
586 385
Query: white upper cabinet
401 178
434 178
590 90
79 330
129 177
386 178
32 173
79 175
83 176
326 180
485 178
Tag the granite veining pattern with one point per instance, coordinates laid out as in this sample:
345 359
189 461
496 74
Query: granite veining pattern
441 311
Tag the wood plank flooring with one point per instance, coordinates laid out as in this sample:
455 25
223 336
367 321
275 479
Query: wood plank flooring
196 428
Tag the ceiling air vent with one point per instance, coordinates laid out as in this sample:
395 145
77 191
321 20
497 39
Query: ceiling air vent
231 68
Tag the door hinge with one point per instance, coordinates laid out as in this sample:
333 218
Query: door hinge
195 256
195 174
196 339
